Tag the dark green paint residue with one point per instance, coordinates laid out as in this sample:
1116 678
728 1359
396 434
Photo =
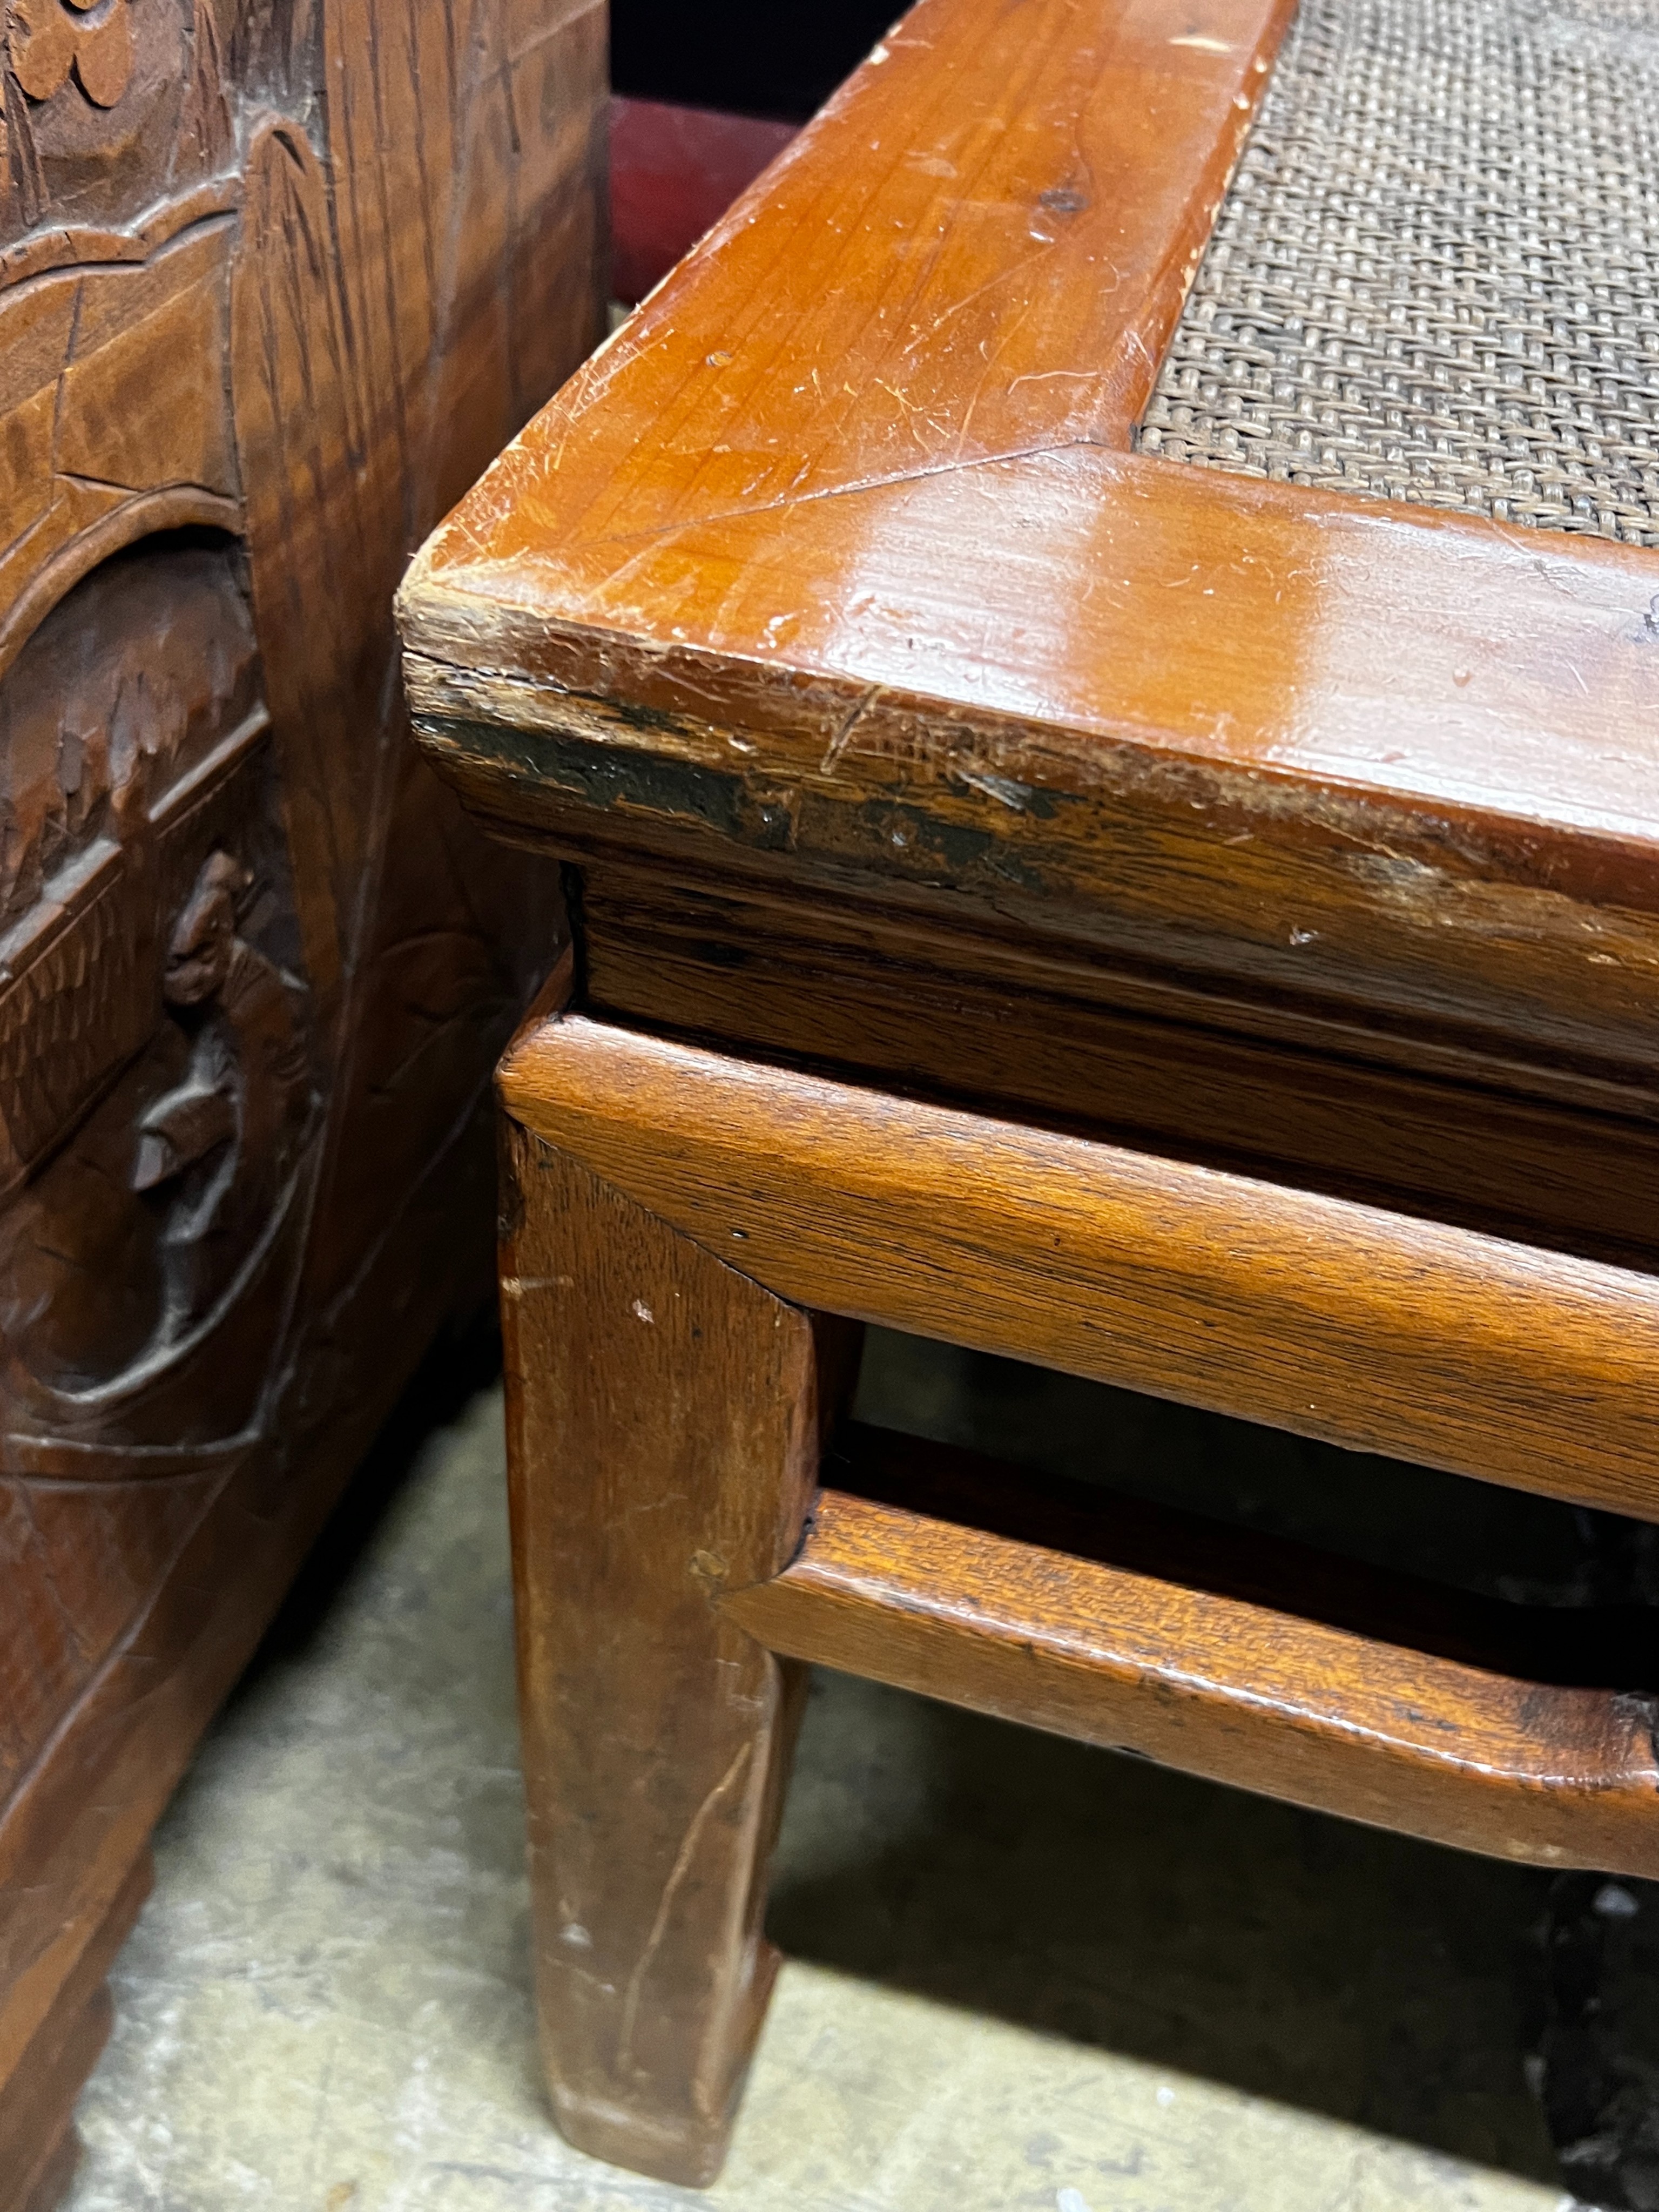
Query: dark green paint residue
914 842
606 776
888 836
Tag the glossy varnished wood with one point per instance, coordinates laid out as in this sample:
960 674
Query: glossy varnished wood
1601 1646
1299 746
1016 204
1555 1155
1335 1319
930 633
1218 1687
1194 933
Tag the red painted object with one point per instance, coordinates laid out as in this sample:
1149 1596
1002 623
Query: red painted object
674 171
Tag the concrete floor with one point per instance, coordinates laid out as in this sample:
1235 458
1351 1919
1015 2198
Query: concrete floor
1023 1974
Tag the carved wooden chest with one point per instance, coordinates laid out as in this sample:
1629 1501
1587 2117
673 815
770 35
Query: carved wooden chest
274 282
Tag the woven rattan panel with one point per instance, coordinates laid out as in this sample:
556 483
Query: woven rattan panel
1436 276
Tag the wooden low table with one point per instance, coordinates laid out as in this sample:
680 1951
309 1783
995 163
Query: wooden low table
1194 930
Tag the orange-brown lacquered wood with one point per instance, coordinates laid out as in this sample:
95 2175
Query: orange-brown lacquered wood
980 247
1281 637
1230 1690
1335 1319
832 562
830 595
1299 739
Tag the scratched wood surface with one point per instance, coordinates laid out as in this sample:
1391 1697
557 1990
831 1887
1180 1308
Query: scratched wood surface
1558 1156
682 1406
930 635
274 285
1189 932
647 1177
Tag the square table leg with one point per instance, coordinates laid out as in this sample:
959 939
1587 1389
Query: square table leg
665 1423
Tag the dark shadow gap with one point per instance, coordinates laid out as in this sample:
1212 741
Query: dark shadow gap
463 1359
1601 1646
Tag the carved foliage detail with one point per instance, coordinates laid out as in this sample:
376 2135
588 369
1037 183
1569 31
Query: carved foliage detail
49 39
110 109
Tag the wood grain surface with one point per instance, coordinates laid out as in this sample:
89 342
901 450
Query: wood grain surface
664 1419
1557 1156
1599 1645
1331 1319
274 285
1556 1776
924 632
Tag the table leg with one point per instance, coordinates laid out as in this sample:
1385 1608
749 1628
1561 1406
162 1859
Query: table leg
665 1418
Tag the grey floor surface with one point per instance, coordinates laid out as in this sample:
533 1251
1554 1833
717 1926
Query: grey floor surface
1022 1973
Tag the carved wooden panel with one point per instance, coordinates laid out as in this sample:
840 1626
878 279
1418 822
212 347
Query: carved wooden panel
275 281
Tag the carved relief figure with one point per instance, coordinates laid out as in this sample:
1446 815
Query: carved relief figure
153 937
110 103
223 1143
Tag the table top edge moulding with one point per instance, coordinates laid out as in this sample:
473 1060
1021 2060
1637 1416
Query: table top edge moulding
839 548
